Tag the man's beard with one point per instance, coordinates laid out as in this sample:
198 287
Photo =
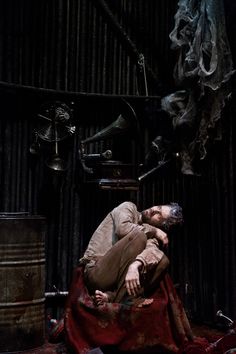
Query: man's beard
145 216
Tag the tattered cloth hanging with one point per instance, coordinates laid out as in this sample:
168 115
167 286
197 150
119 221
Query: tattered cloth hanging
202 71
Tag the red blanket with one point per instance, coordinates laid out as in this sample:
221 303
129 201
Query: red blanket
161 327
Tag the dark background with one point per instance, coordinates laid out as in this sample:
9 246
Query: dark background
85 54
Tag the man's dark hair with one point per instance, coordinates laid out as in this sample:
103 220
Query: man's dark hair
176 216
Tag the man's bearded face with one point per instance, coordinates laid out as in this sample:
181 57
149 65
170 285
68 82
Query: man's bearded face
153 216
163 216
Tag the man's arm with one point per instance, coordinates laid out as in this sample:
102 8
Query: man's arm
132 279
155 232
151 255
125 219
145 261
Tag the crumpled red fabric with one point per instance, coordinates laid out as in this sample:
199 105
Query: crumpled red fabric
198 346
162 326
225 344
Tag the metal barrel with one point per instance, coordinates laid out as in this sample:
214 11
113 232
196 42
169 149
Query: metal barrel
22 281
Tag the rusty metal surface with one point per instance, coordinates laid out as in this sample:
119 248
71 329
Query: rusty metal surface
22 282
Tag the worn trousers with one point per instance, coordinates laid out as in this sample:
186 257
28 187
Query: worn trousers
108 273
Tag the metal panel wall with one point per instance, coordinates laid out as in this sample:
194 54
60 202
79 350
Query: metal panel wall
77 46
202 253
86 46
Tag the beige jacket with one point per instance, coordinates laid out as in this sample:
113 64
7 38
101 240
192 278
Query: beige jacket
120 222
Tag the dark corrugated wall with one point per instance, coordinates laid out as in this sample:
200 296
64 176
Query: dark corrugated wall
84 46
81 46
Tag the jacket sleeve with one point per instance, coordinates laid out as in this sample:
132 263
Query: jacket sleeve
125 221
151 255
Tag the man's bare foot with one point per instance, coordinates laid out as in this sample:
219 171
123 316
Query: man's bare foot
100 298
141 302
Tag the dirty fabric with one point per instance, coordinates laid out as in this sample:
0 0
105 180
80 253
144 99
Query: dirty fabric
161 327
202 72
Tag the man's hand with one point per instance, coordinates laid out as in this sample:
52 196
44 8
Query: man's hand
132 281
162 236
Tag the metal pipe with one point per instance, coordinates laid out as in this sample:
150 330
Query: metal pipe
146 174
56 294
220 314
